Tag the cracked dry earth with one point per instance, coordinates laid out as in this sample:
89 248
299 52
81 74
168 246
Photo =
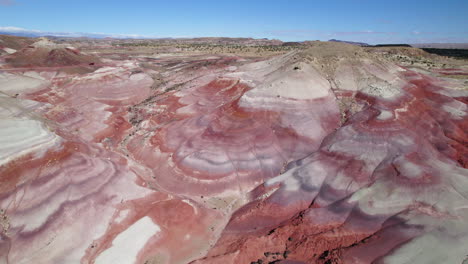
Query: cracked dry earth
324 155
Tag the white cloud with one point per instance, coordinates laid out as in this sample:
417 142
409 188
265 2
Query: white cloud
17 29
38 33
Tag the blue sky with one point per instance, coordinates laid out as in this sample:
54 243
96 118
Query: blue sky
372 21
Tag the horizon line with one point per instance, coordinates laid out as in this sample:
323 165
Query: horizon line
18 31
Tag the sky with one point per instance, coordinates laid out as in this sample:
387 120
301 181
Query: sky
371 21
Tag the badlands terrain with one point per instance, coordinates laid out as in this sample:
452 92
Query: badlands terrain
231 151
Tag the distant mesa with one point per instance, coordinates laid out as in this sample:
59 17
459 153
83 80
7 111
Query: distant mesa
393 45
291 44
441 45
362 44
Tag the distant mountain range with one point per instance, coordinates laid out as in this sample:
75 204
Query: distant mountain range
21 32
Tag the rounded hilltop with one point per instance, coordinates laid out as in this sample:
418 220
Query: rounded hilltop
46 53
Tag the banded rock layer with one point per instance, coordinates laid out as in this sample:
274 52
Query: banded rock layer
325 155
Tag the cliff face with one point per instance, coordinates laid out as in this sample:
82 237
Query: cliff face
330 154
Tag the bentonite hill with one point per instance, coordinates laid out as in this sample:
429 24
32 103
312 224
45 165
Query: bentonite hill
217 150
